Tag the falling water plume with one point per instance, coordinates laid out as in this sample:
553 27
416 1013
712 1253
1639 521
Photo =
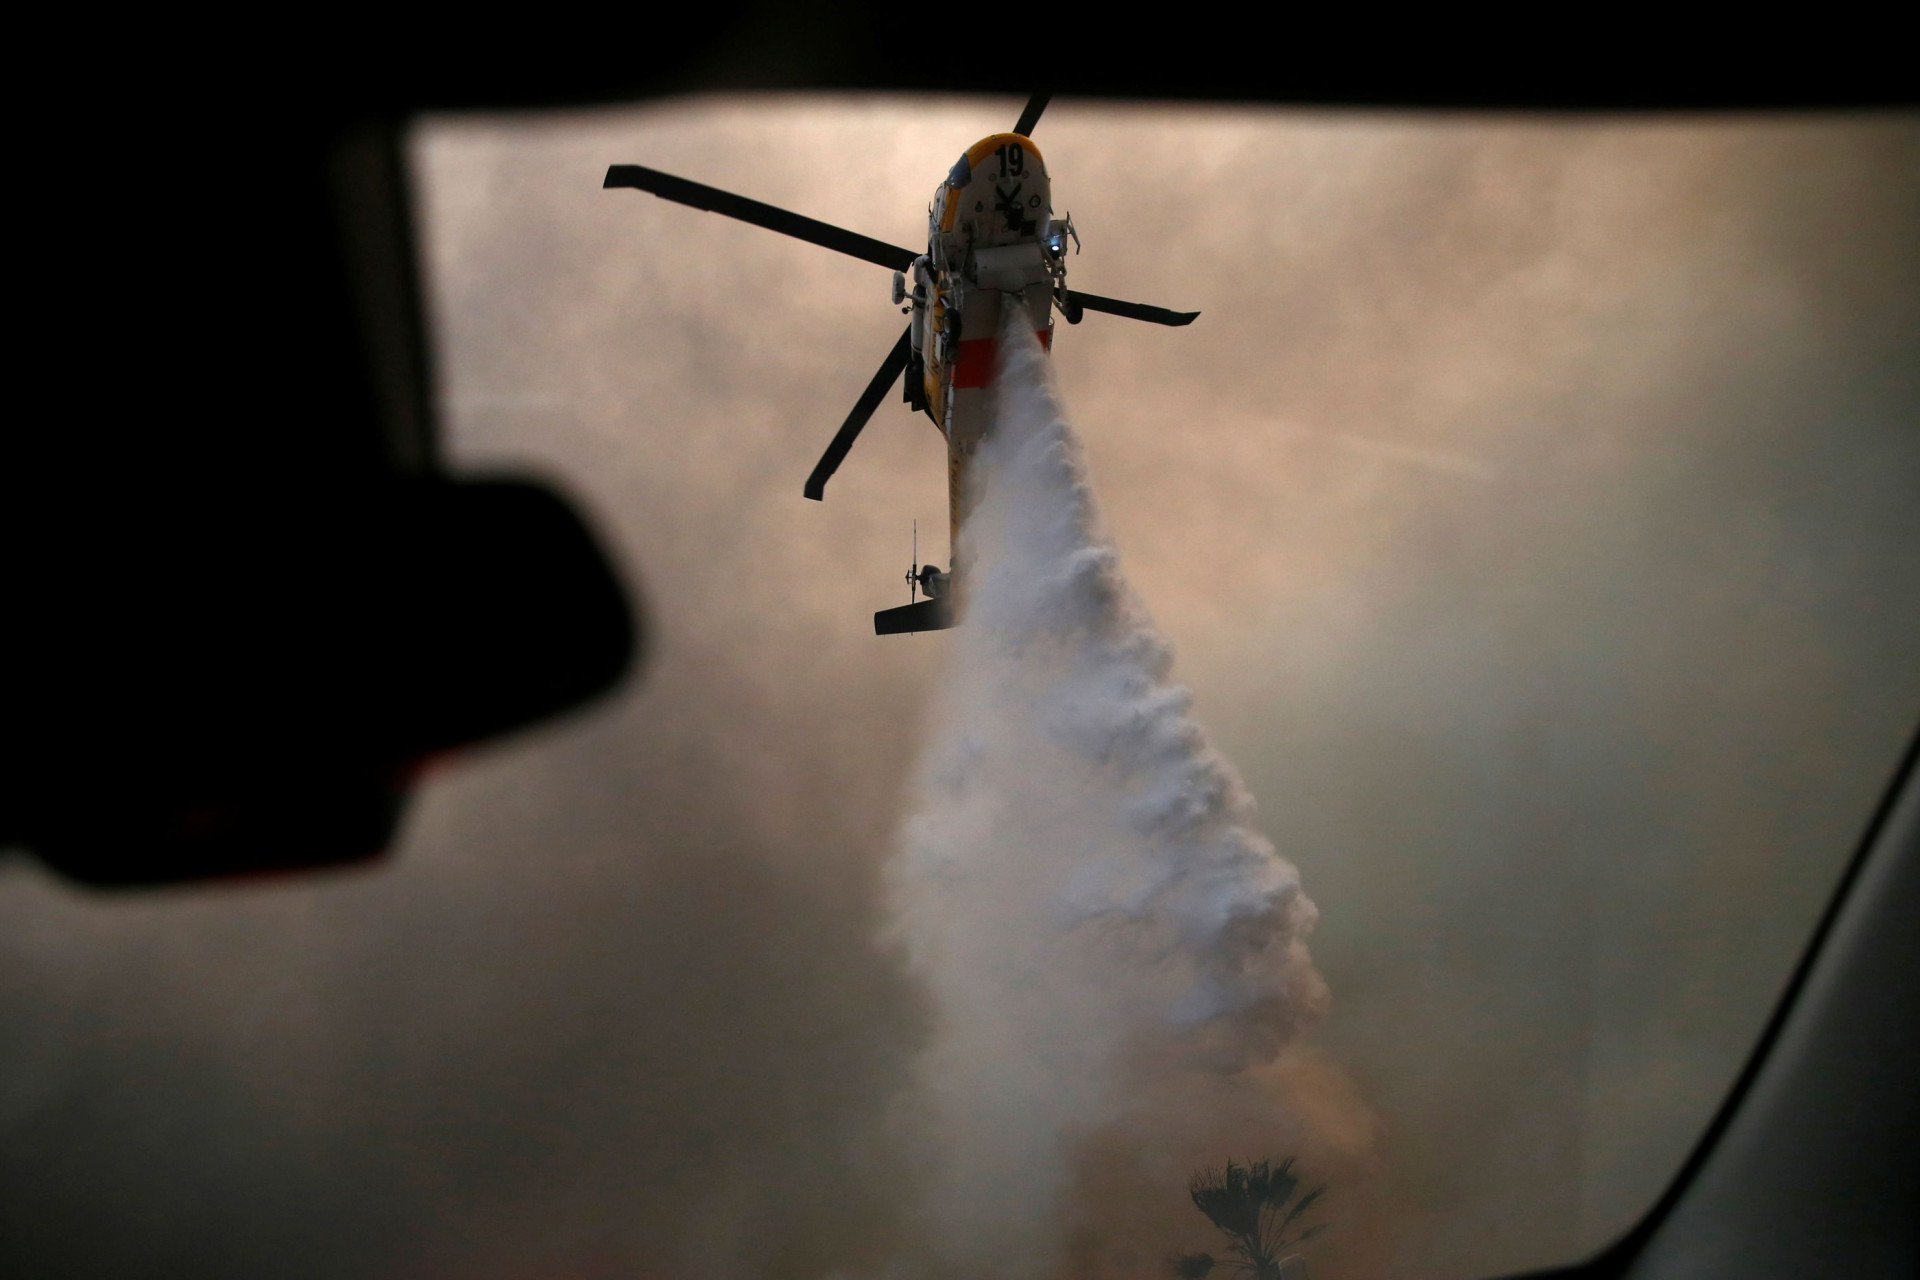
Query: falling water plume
1116 957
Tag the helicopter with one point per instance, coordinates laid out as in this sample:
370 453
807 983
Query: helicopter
994 245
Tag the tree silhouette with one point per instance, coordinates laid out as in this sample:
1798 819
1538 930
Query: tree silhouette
1249 1205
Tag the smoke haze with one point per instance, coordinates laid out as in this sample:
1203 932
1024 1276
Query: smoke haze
1532 512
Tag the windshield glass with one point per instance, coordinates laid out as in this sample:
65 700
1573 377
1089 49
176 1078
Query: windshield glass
1530 512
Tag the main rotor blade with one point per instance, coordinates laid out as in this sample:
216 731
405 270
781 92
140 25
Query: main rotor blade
714 200
850 429
1131 310
1030 116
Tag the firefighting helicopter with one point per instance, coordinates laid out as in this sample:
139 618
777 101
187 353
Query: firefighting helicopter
993 242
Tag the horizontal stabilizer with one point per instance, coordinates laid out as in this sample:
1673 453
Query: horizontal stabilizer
927 615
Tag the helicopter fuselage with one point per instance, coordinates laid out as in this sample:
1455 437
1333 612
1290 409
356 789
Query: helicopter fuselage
992 244
995 253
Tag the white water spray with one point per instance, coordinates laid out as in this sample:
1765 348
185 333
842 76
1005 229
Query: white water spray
1099 927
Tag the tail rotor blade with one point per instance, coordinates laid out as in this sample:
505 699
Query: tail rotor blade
1131 310
890 369
1030 116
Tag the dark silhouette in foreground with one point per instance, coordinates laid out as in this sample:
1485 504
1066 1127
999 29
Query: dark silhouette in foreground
1250 1205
